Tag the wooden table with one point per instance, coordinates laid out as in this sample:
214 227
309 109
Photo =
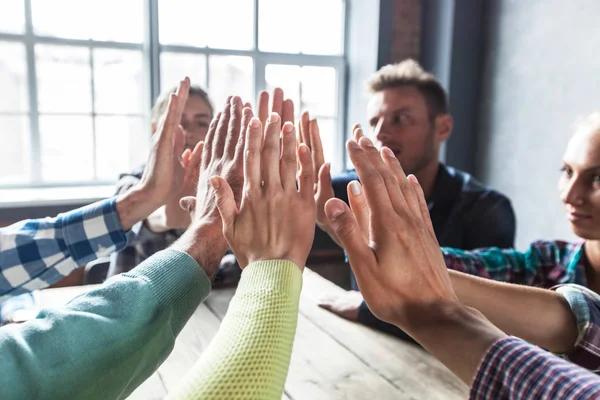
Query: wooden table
332 358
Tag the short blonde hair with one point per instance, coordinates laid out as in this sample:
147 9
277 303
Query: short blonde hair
590 123
410 73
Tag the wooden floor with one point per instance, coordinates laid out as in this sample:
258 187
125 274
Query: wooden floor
332 358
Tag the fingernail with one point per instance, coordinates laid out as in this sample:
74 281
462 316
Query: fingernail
303 148
412 178
288 127
273 117
254 123
355 188
337 211
214 181
387 152
353 144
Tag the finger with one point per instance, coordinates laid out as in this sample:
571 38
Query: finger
346 228
233 131
209 140
316 146
407 190
378 127
188 203
287 111
306 180
169 121
183 91
422 204
263 107
357 132
252 155
178 142
218 146
372 182
359 207
394 192
305 128
324 186
248 105
225 203
277 106
194 161
288 161
239 149
185 158
270 152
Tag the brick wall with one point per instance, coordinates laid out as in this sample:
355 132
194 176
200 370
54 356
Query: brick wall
406 31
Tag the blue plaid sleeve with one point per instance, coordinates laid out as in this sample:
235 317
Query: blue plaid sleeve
37 253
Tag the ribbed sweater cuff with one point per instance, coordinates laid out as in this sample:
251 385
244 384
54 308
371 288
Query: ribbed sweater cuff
178 282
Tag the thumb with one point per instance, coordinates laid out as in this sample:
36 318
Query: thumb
345 226
324 185
188 203
225 203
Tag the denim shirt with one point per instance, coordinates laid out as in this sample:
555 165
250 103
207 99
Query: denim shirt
465 215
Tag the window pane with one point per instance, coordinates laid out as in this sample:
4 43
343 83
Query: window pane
230 75
122 143
67 148
12 17
14 152
64 79
113 20
290 35
176 66
286 77
13 77
319 90
119 81
226 24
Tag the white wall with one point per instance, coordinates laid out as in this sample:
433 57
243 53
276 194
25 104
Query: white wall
541 72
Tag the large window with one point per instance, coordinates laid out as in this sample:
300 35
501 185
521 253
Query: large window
78 77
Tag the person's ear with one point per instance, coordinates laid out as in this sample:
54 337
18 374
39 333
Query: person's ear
443 127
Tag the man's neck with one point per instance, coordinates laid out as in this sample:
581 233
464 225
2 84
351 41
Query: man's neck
592 252
427 177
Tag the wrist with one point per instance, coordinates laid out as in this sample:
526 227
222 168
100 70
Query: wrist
134 206
427 316
205 243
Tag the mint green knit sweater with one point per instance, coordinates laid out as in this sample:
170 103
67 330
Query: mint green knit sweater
105 343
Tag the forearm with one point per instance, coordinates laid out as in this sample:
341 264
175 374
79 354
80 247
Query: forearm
539 316
37 253
261 320
135 205
205 243
457 335
104 343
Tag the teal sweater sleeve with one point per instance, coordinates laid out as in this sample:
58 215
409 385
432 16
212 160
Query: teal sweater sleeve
104 343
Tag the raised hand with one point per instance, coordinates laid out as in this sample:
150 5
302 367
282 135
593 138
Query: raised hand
399 266
164 172
276 218
392 250
283 108
222 155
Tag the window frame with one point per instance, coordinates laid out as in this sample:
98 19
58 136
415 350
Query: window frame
151 49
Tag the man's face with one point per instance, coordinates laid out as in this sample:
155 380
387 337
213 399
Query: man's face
399 119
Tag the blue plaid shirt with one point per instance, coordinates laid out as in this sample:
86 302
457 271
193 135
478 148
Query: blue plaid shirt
37 253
